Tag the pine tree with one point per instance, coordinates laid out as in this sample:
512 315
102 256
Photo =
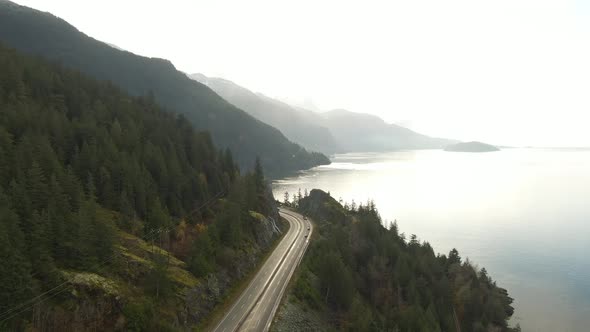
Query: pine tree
85 250
58 213
157 217
157 281
20 201
40 250
15 270
201 257
127 214
454 257
6 148
259 176
229 165
37 187
15 277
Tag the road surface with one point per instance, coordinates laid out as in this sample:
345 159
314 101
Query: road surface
257 305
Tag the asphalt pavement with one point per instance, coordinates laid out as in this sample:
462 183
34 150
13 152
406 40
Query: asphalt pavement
255 308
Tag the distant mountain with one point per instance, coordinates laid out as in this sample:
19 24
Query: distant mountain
471 147
328 132
301 126
43 34
307 104
369 133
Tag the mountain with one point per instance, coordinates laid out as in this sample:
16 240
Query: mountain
298 125
471 147
328 132
114 214
359 132
43 34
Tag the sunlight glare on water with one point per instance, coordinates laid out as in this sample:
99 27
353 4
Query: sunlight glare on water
524 214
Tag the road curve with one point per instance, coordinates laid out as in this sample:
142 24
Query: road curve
257 305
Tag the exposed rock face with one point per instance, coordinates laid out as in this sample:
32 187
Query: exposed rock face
294 317
202 299
92 302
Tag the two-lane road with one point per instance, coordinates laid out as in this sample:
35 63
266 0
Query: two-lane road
257 305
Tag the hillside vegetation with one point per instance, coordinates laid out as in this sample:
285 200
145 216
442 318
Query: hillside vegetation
360 276
115 215
43 34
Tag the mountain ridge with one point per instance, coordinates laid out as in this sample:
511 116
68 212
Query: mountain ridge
46 35
293 123
348 131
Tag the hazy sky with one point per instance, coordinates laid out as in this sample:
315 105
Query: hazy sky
513 72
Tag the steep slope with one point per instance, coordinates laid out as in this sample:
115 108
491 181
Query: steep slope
297 125
356 132
115 215
43 34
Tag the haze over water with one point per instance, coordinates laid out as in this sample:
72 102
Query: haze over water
523 214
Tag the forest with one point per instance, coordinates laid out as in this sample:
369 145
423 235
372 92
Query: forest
37 33
115 215
362 276
118 215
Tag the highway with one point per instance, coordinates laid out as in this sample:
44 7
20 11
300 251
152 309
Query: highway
255 308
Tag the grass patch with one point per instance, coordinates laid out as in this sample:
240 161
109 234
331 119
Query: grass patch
182 277
257 216
92 281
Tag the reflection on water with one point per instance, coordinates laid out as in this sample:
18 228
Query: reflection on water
524 214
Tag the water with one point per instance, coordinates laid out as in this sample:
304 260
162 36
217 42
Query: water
524 214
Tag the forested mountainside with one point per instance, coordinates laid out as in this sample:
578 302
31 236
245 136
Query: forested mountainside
43 34
115 215
360 276
301 126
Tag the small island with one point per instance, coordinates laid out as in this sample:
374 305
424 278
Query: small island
471 147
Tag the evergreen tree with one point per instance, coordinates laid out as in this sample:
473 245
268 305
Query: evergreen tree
157 217
85 255
40 251
6 147
454 257
58 213
158 282
37 187
16 284
201 257
259 176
